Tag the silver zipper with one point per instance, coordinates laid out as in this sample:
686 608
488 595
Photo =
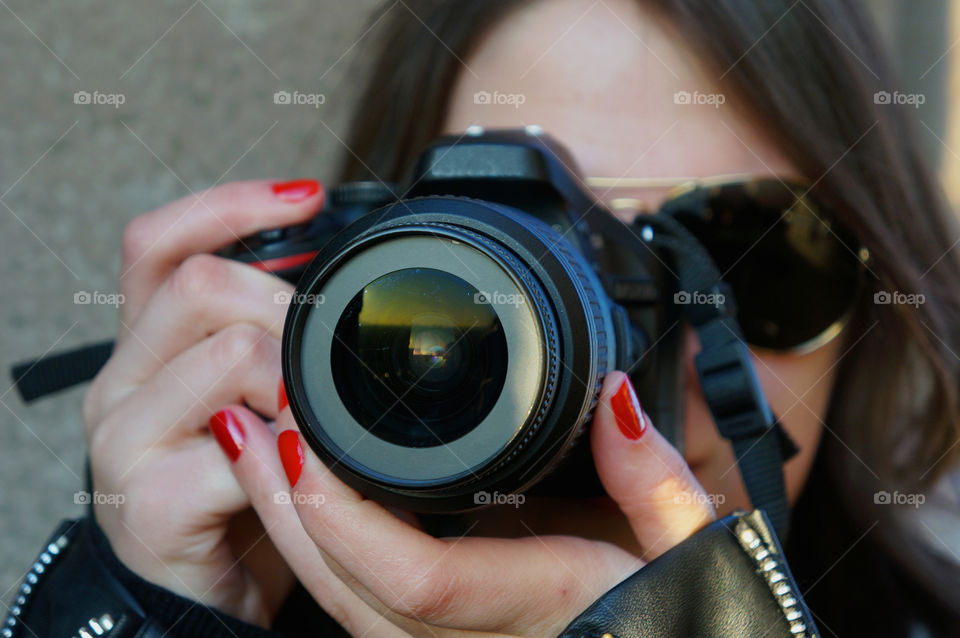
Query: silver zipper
40 566
769 567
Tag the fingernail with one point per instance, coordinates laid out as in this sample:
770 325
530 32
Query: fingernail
291 455
296 190
281 396
627 412
228 432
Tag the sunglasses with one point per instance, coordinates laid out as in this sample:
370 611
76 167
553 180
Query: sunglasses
795 272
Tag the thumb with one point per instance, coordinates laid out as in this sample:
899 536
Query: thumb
646 476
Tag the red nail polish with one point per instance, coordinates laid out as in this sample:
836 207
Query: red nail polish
228 432
291 455
296 190
627 412
281 396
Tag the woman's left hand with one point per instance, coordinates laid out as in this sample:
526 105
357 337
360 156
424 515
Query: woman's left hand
429 586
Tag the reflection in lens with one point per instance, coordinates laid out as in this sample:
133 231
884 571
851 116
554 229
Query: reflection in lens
435 356
790 270
419 357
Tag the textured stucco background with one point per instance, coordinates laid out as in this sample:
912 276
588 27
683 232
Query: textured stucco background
198 79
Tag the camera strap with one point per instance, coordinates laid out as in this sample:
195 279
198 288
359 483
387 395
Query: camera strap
725 370
51 373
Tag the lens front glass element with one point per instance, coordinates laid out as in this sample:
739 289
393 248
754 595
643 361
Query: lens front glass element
420 357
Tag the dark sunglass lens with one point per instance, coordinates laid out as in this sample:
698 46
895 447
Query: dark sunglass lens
793 273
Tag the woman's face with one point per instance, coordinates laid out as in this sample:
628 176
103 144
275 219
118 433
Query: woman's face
601 78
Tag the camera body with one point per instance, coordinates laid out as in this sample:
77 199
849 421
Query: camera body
444 349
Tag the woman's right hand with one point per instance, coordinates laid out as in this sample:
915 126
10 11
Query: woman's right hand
197 332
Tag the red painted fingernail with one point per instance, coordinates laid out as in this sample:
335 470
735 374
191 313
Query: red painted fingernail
296 190
627 412
291 455
281 396
228 432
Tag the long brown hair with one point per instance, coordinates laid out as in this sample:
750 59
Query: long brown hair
807 74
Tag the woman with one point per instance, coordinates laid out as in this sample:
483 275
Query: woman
789 93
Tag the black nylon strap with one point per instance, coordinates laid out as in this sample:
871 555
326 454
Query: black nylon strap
743 416
727 376
39 377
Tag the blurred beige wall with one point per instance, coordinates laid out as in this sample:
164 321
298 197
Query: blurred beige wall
925 41
950 153
198 80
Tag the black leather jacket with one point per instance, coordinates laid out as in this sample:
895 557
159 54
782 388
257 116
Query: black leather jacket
729 579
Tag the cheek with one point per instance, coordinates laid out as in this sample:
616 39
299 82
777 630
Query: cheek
799 388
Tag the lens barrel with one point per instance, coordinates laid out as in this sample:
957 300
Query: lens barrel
442 348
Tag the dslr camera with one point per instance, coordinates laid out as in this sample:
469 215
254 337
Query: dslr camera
449 338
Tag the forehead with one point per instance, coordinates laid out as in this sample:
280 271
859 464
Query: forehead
616 85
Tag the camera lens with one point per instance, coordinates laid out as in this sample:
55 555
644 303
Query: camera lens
458 347
422 358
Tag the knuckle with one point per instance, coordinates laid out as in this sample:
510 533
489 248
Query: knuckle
104 457
675 467
95 449
236 343
427 595
198 277
90 410
264 351
137 238
98 400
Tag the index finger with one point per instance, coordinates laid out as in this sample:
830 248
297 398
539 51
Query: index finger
155 243
468 583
